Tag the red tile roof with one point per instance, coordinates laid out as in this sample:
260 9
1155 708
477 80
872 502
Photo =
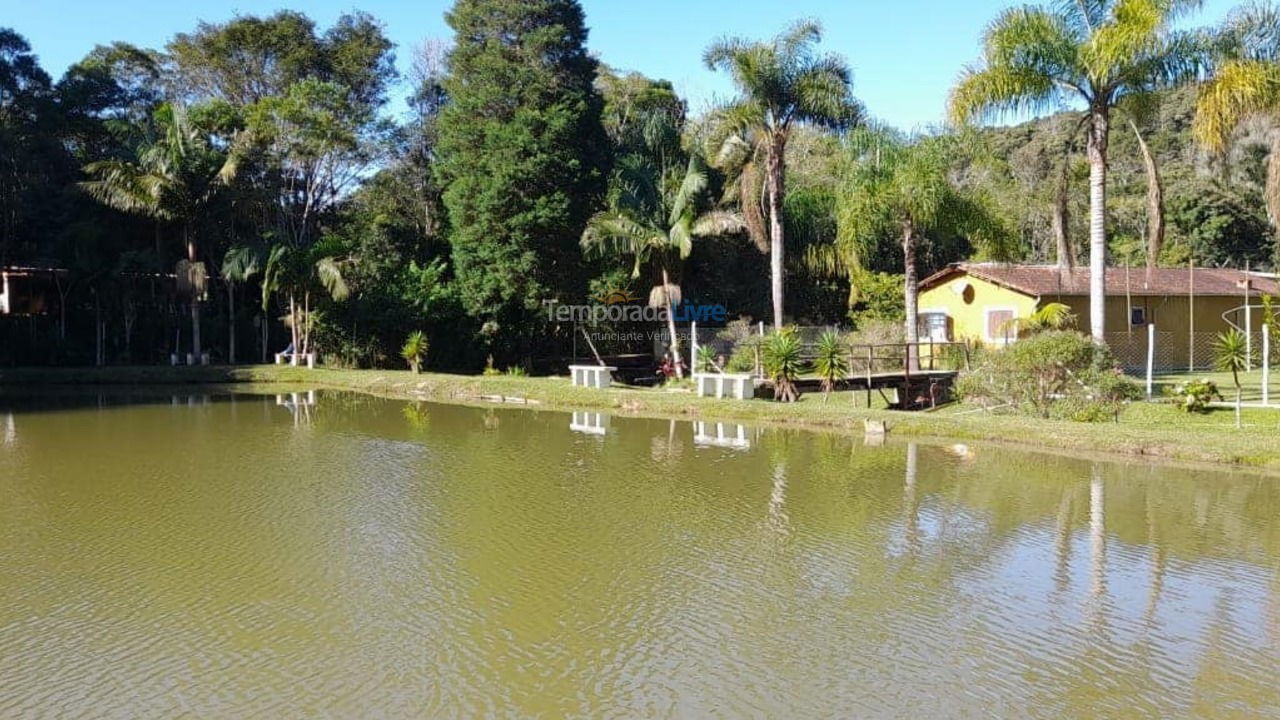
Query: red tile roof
1047 281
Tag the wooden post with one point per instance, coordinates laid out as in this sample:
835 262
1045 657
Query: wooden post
1248 322
1191 315
693 346
870 359
759 369
1266 364
1151 354
906 375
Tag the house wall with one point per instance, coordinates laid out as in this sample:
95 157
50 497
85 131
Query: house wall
1176 347
968 311
1173 316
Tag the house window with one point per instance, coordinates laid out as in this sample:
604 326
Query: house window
1137 316
1001 326
934 326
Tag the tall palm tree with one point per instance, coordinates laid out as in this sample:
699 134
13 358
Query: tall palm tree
1245 83
239 264
298 273
781 83
1097 52
657 207
897 187
174 177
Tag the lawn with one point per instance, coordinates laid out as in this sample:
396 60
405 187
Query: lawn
1147 429
1250 384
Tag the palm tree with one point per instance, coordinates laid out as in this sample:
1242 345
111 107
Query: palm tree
656 210
896 187
1245 83
781 83
1097 52
299 273
239 264
174 177
1231 352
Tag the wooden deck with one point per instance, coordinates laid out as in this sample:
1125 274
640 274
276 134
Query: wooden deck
921 390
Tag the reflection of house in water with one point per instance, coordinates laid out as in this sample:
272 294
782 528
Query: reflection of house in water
591 423
731 435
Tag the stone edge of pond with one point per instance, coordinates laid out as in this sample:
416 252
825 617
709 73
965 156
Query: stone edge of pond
1253 450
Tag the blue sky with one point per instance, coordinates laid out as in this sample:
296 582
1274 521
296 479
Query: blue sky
905 53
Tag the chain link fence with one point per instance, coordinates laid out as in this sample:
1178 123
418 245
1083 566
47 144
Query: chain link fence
1179 352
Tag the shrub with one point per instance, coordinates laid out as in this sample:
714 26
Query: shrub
1194 396
516 371
832 363
706 361
782 363
415 350
1055 372
489 369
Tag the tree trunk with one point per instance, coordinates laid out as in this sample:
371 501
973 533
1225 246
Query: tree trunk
1099 130
671 327
1061 221
195 295
231 323
1272 194
1155 204
293 326
777 187
910 292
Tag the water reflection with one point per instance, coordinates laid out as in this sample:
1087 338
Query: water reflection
417 559
720 434
591 423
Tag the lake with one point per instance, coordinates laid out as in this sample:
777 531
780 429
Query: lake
325 554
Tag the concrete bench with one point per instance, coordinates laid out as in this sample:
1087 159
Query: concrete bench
292 359
593 376
740 386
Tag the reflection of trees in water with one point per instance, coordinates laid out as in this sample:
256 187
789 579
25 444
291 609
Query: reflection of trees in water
779 521
1097 535
911 501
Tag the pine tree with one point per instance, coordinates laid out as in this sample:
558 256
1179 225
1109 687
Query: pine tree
523 156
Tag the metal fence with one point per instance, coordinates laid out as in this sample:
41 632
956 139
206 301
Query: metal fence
1179 352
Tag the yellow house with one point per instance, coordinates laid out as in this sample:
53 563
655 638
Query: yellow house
982 302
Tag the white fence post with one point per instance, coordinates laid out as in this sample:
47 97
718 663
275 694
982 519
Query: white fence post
1151 354
1266 363
693 346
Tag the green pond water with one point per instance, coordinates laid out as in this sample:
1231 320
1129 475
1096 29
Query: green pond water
336 555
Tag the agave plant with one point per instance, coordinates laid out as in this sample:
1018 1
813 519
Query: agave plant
783 364
414 351
832 363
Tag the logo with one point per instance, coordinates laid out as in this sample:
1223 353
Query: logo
613 296
619 305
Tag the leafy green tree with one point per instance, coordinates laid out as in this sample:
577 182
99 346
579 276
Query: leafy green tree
522 156
782 84
1246 83
656 209
175 178
898 187
1040 57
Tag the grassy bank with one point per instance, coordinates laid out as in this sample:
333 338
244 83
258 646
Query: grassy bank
1145 429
